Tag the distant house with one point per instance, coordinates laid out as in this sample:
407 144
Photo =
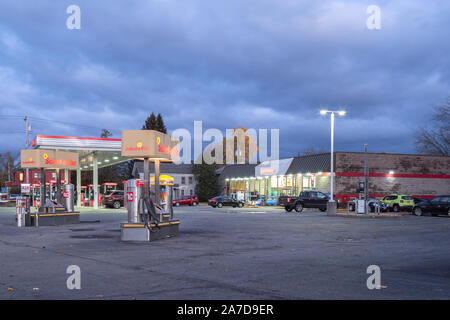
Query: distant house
183 178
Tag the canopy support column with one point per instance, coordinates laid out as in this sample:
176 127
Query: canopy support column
157 173
146 177
95 182
58 186
78 187
42 191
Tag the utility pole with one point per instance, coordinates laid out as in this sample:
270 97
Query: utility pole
27 173
365 179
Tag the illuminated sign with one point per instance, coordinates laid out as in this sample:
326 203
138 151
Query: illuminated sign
149 144
266 171
48 159
139 147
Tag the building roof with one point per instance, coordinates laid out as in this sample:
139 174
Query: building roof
302 164
310 164
238 170
165 168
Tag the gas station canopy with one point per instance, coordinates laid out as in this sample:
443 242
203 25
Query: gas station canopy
106 150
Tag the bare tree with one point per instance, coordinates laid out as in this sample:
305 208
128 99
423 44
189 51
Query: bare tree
312 150
435 139
105 133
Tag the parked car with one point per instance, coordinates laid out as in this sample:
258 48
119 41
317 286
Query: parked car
114 199
398 202
371 202
185 201
221 201
271 201
437 205
418 200
307 199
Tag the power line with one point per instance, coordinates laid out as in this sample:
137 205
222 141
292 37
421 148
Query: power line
54 121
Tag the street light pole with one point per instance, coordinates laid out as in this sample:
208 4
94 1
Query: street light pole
332 158
331 203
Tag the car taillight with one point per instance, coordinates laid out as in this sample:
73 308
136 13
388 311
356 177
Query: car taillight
288 199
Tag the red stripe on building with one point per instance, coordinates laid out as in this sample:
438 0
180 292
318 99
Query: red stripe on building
395 175
345 196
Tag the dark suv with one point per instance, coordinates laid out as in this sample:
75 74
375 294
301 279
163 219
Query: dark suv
437 205
114 199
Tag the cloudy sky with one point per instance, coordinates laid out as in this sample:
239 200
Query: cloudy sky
229 63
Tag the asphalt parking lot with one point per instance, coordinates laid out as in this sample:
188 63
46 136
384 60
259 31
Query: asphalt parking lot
248 253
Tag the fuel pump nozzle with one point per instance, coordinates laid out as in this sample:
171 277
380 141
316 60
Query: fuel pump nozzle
146 208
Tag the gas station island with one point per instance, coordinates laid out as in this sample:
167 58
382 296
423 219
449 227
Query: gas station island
59 210
150 216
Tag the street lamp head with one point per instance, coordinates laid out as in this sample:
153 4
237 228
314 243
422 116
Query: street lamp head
323 112
342 113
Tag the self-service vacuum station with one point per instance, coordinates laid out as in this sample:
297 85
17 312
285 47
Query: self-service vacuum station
149 218
59 210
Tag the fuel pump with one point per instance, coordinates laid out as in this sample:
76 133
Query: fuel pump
91 195
146 220
68 197
35 195
84 197
109 186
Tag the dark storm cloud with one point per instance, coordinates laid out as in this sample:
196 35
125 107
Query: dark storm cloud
259 64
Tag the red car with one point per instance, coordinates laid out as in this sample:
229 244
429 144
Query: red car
186 200
114 199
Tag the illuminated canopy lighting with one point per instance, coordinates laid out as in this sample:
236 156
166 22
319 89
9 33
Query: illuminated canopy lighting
342 113
323 112
115 158
391 172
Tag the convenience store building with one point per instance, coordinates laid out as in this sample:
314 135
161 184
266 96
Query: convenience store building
418 175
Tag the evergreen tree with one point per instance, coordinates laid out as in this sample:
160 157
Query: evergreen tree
150 123
161 127
206 177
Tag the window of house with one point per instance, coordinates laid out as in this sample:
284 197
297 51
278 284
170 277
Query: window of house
183 180
191 192
190 181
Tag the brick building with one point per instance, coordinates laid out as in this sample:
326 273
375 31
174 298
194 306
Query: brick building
18 177
418 175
